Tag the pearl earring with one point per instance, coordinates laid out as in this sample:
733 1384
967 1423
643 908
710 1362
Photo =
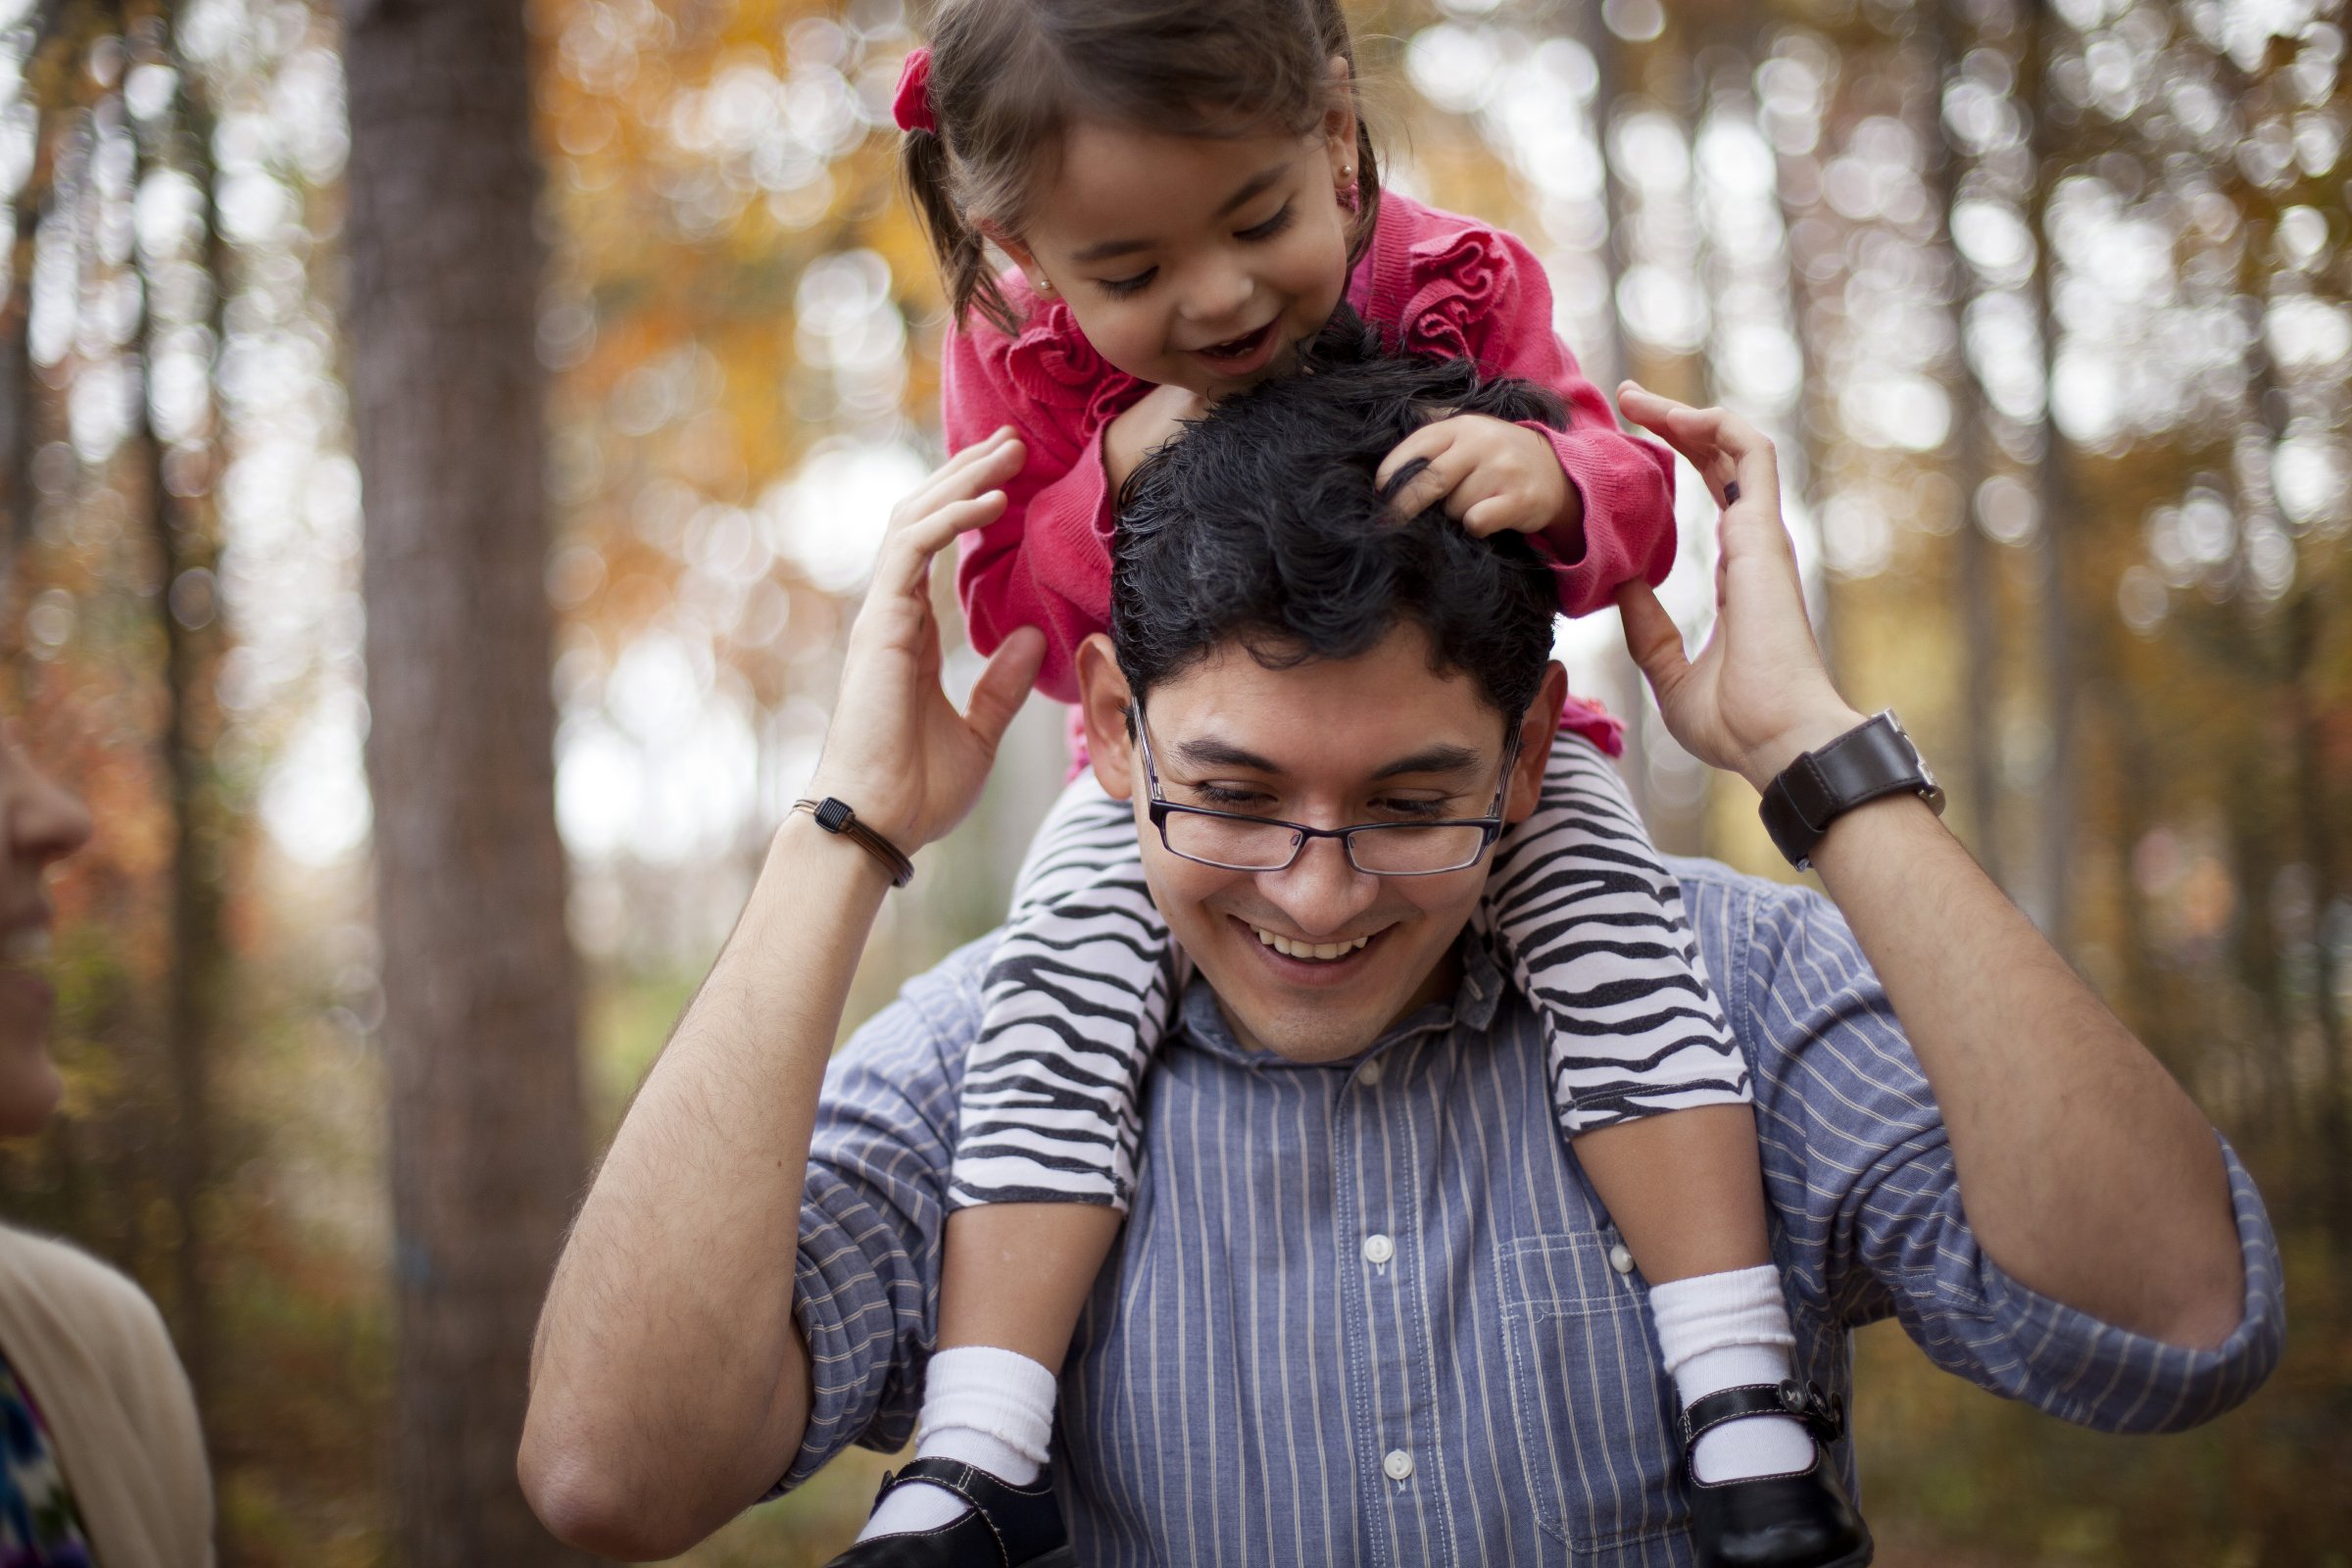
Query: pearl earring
1045 285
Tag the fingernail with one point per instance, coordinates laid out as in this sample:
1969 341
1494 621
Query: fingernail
1730 491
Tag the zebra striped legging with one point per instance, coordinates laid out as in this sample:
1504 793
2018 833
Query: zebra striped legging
1583 915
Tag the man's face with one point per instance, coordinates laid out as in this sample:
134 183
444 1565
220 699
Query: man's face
1380 738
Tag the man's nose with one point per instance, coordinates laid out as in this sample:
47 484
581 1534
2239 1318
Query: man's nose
1321 893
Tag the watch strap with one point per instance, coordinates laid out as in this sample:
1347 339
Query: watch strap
1874 759
834 815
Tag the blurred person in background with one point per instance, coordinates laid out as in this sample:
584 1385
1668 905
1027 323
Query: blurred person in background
101 1457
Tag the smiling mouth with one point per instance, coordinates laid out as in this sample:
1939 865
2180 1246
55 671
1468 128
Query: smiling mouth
1315 951
1237 348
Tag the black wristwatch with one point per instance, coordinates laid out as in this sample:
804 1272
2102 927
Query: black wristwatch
1875 757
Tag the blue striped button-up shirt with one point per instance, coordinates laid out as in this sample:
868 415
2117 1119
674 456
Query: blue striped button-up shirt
1371 1313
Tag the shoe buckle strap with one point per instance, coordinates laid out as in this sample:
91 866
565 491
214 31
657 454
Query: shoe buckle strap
953 1476
1823 1416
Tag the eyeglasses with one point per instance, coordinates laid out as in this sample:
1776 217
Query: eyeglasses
1233 842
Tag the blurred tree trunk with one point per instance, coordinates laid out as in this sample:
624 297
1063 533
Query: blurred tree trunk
1946 40
2046 891
2319 821
181 527
1587 23
19 401
480 1021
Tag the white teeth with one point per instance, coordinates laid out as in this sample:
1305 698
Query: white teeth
27 944
1325 951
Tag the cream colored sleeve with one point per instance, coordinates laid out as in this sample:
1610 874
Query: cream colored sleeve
93 1349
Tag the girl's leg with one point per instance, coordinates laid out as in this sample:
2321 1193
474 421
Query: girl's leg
1652 1090
1077 997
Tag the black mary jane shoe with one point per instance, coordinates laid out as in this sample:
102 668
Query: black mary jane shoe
1005 1527
1800 1520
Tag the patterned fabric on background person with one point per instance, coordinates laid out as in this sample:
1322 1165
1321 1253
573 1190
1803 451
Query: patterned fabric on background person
39 1526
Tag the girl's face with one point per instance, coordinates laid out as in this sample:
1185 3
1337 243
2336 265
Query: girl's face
39 826
1194 260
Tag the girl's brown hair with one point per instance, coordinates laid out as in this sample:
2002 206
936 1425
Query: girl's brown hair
1008 76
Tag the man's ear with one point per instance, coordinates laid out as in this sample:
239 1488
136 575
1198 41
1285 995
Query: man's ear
1536 727
1103 706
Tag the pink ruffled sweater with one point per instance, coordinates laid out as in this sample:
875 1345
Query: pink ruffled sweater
1435 283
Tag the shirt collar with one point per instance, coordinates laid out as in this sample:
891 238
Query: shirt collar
1472 1006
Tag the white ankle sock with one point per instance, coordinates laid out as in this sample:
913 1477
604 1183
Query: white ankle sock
989 1407
1720 1331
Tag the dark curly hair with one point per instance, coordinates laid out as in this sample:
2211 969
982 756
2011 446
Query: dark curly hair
1264 523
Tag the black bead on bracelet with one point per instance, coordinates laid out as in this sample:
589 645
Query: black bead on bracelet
834 815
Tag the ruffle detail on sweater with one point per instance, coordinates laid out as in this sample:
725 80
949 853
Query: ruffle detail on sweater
1452 282
1054 365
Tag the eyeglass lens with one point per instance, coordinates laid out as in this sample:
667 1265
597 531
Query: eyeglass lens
1245 846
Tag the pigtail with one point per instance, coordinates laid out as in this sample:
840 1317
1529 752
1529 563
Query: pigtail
960 249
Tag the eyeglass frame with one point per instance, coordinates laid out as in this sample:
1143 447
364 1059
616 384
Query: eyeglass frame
1159 808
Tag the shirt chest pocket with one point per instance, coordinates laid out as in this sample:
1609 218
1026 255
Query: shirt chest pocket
1594 1407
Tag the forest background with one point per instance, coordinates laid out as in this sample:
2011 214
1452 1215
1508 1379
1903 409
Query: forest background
2049 306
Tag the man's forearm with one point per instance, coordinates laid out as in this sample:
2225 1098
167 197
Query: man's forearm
2088 1173
670 1384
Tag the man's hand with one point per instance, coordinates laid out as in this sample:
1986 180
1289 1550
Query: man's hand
1145 428
1492 476
1758 694
896 751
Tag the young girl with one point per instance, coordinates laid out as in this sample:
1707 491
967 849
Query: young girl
1187 194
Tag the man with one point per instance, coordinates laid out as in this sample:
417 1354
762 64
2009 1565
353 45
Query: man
1365 1310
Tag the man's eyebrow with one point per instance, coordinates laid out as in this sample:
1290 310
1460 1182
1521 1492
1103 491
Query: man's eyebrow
1207 754
1433 760
1251 188
1215 754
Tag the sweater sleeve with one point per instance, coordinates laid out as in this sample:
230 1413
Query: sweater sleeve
1046 562
1478 291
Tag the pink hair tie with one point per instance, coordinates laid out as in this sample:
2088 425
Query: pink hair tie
911 108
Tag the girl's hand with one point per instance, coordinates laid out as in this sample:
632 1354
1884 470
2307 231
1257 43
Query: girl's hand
1145 428
896 751
1758 694
1491 475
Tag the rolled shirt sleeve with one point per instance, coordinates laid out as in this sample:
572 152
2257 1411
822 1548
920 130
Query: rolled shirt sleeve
1860 1170
866 1287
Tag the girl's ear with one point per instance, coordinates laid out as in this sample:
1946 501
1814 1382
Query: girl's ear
1339 121
1022 257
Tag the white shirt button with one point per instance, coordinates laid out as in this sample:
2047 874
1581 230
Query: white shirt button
1369 1074
1378 1249
1621 1258
1398 1466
